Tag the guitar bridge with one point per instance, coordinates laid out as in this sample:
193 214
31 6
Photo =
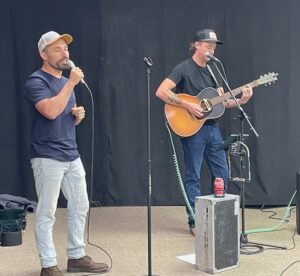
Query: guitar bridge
206 105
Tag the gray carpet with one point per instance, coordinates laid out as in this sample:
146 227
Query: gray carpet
122 232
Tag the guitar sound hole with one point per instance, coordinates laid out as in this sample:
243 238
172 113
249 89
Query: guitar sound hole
206 105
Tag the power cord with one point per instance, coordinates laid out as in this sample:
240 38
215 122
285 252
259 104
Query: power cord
277 225
95 203
285 270
293 247
273 214
284 219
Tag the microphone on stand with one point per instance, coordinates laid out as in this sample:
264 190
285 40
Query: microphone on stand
71 65
211 57
148 61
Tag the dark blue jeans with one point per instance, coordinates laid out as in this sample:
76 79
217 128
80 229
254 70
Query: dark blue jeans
197 147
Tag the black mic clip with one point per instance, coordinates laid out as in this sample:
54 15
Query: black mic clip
148 61
208 55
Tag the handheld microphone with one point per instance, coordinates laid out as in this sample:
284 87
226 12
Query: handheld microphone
71 65
211 57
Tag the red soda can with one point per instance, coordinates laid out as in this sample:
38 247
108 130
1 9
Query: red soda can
219 187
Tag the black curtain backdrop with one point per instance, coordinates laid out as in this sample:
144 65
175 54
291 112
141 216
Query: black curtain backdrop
111 37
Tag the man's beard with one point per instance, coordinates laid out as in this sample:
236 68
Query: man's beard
60 65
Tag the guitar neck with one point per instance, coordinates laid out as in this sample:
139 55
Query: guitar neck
224 97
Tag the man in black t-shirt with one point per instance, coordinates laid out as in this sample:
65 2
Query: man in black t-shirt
192 76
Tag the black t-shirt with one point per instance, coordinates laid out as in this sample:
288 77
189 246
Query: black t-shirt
51 138
190 78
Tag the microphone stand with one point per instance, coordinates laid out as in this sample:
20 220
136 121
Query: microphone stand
243 237
235 99
149 63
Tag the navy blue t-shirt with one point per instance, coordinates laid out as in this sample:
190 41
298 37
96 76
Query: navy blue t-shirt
56 138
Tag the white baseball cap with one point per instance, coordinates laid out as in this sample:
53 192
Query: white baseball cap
50 37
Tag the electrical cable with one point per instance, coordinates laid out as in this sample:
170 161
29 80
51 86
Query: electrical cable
294 246
177 169
289 267
270 229
286 221
97 204
265 247
293 239
272 216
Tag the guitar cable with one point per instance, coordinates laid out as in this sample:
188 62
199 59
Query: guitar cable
178 173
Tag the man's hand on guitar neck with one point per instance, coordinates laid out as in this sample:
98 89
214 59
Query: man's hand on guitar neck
247 94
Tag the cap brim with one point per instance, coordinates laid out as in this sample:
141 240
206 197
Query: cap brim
213 40
66 37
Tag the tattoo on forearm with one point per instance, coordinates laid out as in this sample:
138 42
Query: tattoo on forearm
173 99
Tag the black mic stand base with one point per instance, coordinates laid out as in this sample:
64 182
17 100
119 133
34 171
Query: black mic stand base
246 246
244 242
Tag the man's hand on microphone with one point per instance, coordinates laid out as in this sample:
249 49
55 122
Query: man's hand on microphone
76 75
79 114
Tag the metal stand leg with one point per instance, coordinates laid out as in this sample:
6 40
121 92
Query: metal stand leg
244 243
149 63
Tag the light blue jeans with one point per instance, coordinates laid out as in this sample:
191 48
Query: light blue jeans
51 176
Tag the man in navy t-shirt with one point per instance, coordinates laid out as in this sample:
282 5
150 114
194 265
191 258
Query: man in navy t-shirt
54 156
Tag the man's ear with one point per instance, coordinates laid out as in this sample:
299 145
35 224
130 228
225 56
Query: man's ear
43 55
197 44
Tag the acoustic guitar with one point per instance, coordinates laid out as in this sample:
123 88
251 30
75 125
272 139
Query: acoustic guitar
185 124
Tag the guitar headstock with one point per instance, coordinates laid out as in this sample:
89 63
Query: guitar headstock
267 78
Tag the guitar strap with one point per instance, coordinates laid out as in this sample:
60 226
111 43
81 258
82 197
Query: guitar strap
213 75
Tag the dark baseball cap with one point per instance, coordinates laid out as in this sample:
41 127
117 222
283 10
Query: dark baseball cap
207 35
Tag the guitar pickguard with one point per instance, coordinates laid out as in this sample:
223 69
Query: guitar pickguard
217 110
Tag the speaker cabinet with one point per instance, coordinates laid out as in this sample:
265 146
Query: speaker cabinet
217 242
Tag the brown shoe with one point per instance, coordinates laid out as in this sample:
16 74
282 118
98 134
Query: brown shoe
51 271
86 264
192 230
